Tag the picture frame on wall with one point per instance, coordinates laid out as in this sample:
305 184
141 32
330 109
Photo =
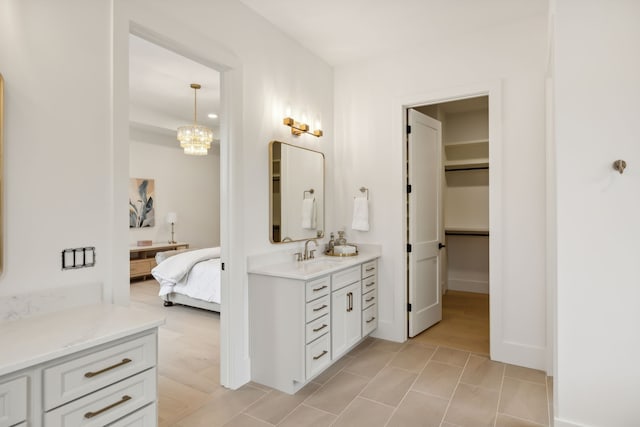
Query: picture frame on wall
141 203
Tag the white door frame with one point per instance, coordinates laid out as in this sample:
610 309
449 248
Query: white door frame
128 18
494 90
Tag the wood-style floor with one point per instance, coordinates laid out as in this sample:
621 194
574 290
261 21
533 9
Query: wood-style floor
431 380
464 325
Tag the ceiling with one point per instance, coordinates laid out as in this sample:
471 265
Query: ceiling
338 31
159 92
342 31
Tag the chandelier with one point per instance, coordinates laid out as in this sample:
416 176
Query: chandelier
195 139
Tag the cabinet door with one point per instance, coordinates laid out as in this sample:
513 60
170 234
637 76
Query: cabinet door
345 318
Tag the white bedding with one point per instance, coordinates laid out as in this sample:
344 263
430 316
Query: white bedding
194 273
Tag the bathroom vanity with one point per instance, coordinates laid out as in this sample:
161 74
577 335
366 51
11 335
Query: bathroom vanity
305 315
91 366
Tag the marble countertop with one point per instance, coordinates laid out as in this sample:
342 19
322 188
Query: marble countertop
37 339
310 269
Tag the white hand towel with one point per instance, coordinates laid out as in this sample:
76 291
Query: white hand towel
309 213
360 214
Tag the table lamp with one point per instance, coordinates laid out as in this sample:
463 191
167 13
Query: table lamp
172 218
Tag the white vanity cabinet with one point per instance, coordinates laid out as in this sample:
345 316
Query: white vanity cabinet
299 323
13 401
346 313
94 366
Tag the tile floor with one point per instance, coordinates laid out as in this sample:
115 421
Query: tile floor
379 383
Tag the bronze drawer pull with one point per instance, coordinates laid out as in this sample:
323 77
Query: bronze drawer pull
370 320
320 288
102 371
370 268
370 284
106 408
320 355
369 299
320 328
320 308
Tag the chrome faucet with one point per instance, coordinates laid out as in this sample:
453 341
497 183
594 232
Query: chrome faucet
307 254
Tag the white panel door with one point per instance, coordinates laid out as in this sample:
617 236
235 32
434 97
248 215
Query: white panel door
425 221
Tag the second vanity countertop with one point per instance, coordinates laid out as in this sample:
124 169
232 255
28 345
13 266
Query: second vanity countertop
317 267
33 340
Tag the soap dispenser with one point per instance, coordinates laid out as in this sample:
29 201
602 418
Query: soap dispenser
331 244
341 239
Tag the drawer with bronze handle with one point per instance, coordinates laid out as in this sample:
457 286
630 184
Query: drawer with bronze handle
318 327
369 299
317 288
77 376
369 320
106 405
317 308
318 356
369 268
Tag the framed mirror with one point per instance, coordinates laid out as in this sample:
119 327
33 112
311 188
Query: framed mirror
1 173
296 187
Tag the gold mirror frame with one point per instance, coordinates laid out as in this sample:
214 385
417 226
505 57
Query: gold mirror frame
274 180
1 173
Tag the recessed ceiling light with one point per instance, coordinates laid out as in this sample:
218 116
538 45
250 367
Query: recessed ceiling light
212 115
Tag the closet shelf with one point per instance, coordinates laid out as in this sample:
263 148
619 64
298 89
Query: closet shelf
472 154
478 163
466 231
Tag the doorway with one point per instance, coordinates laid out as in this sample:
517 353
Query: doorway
460 289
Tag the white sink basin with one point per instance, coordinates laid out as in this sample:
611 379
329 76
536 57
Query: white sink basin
317 265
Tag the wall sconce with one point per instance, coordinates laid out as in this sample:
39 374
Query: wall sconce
298 128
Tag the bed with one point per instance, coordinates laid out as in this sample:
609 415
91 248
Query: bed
189 277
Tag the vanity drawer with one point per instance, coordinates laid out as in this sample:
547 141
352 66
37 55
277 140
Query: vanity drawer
106 405
317 328
317 288
369 299
76 377
318 308
345 277
369 320
369 268
145 417
13 402
318 355
369 284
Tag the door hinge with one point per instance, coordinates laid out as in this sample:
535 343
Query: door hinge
441 245
408 129
409 307
408 188
222 266
408 247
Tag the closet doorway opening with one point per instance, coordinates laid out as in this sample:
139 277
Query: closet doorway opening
448 223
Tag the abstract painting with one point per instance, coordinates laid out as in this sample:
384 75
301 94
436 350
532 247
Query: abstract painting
141 203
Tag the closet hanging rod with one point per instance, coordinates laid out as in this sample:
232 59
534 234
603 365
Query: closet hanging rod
466 169
466 233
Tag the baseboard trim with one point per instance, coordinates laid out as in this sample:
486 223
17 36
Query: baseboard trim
477 286
519 354
558 422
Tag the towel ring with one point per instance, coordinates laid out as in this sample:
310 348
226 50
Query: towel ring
365 191
310 191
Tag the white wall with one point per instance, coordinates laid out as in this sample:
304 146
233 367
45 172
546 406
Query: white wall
66 144
597 93
186 185
54 57
369 153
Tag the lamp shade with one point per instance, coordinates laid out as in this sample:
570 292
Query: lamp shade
172 217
